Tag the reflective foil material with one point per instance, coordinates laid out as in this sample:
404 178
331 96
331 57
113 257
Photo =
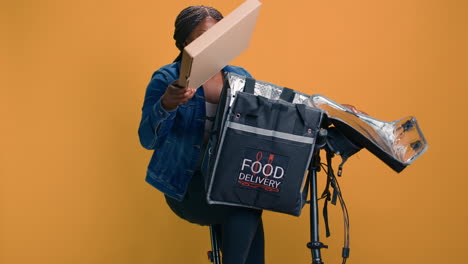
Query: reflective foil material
397 143
401 139
264 89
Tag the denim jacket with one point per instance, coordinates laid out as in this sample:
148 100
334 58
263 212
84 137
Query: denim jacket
175 136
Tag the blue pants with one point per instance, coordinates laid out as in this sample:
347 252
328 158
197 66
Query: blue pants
242 238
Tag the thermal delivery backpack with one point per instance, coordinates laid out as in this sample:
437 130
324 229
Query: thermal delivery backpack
260 147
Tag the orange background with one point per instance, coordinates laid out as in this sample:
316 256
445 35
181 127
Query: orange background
73 76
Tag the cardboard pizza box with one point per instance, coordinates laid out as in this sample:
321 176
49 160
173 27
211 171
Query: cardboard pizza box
218 46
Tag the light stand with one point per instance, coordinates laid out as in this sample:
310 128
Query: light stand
315 245
214 255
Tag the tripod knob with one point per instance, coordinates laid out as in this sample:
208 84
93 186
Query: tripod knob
321 138
316 245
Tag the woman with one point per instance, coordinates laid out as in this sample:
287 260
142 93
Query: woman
175 123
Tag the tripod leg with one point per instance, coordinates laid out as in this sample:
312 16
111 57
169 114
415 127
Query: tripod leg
214 254
315 245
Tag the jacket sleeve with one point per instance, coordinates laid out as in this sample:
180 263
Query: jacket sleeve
244 72
156 122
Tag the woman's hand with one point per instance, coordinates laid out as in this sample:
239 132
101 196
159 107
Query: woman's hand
175 96
354 109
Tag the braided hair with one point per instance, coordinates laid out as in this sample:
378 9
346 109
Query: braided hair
188 19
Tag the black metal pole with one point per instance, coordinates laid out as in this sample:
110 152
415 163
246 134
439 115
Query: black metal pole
215 256
315 245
